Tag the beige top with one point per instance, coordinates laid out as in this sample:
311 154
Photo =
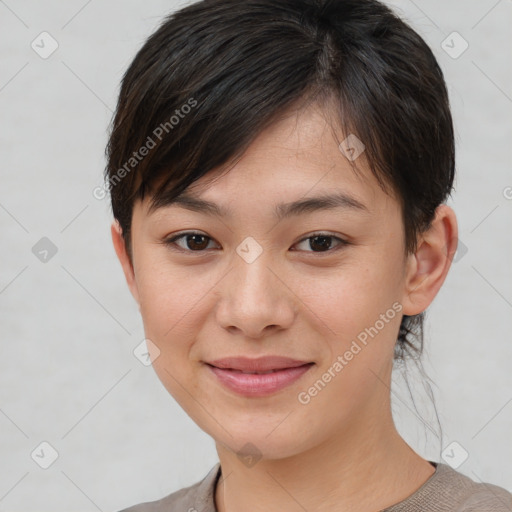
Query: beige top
445 490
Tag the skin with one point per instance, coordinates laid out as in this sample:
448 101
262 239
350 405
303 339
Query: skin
340 451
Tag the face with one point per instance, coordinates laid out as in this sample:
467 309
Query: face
323 286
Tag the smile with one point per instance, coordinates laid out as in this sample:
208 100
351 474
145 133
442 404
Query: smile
258 383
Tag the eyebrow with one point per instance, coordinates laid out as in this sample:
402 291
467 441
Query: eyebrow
281 210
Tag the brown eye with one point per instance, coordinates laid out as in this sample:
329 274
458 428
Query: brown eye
191 242
196 242
322 242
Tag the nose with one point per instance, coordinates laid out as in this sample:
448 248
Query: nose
254 299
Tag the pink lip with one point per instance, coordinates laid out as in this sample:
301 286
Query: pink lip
252 384
259 364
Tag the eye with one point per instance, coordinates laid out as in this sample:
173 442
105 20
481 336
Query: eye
192 241
323 242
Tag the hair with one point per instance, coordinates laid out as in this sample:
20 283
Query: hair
218 72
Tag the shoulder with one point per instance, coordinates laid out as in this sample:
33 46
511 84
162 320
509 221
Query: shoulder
448 489
481 496
198 497
472 495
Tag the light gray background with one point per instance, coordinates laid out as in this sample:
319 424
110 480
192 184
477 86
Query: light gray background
69 326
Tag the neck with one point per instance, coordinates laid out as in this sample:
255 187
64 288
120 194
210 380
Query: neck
366 468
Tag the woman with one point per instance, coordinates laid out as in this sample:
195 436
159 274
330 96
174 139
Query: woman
278 173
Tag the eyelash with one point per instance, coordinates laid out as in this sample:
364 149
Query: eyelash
171 242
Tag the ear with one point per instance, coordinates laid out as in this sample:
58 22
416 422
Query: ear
427 268
124 259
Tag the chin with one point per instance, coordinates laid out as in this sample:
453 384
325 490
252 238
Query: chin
251 444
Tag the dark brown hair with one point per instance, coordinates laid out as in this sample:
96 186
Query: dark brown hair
217 72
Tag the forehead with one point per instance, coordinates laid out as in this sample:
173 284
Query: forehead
301 158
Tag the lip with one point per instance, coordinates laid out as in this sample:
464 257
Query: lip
239 373
259 364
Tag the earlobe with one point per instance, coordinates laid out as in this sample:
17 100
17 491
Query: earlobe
428 267
124 259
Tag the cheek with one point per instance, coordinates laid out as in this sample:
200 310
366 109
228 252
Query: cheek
347 300
170 296
172 314
175 304
358 315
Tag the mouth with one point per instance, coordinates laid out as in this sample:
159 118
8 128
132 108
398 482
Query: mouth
258 377
260 365
253 373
